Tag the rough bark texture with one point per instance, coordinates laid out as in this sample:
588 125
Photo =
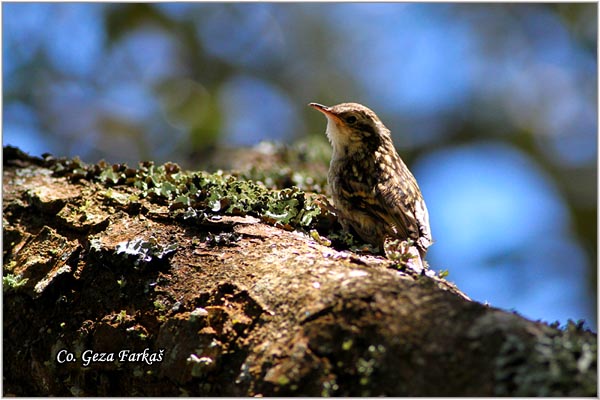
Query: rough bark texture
233 306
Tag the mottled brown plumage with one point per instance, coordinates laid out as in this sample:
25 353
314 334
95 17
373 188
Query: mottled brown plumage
372 189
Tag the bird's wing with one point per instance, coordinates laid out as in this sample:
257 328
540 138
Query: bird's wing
394 198
382 204
403 206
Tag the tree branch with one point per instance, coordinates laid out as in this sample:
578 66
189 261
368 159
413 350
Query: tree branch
181 295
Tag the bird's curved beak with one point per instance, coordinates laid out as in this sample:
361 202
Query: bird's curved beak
325 110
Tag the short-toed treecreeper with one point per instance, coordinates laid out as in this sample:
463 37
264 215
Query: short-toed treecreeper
373 191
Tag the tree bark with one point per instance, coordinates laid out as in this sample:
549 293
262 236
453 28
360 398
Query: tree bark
107 292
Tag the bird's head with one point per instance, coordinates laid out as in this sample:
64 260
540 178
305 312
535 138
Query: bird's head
352 127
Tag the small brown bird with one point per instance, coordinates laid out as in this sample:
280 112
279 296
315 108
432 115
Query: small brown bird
373 190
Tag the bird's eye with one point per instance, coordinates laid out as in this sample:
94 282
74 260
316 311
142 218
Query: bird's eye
351 119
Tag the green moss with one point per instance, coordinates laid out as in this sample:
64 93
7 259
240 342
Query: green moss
159 305
399 250
283 380
8 267
122 282
330 387
122 316
562 364
198 195
347 344
11 282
